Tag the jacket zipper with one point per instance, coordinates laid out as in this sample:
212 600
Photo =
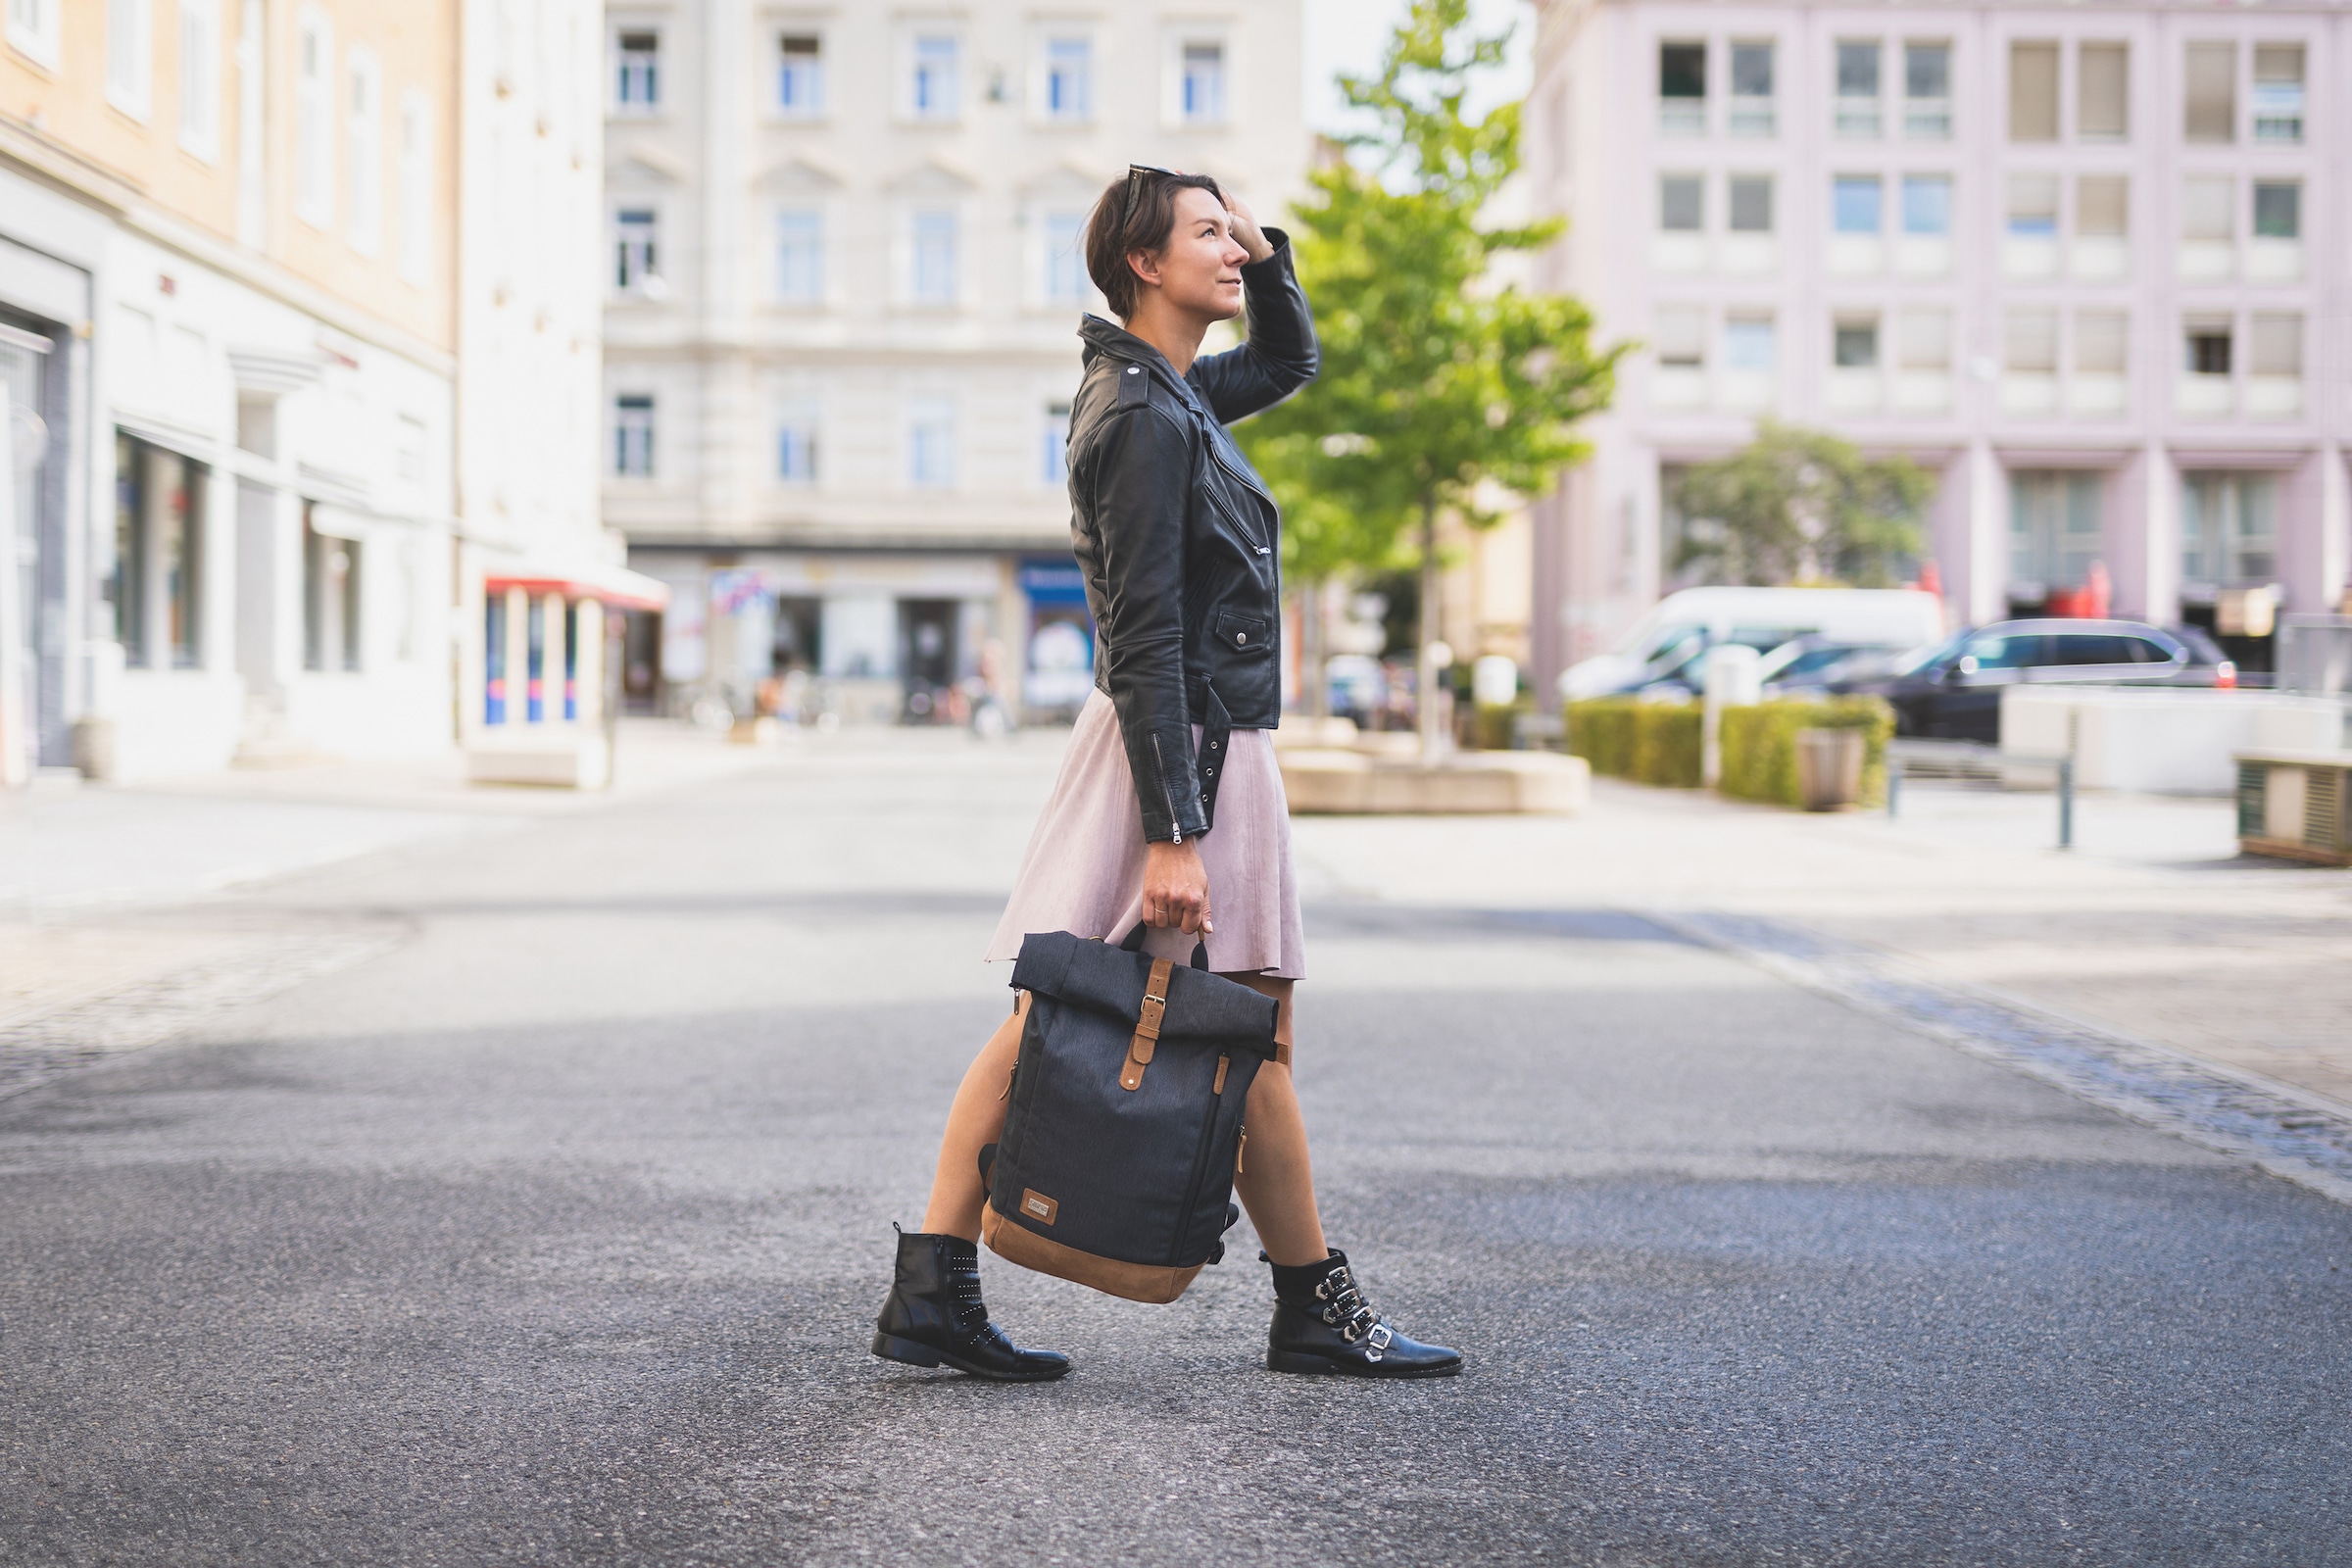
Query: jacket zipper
1164 793
1192 1190
1240 526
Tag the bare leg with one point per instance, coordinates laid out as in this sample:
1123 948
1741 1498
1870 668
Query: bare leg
1276 1181
974 1120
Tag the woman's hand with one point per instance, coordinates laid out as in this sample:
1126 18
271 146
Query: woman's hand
1176 887
1246 233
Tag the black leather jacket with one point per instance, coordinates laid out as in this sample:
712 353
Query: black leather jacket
1181 544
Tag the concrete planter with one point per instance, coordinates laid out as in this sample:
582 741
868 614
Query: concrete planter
1353 783
1829 769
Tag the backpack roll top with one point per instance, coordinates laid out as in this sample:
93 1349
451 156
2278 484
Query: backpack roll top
1116 1165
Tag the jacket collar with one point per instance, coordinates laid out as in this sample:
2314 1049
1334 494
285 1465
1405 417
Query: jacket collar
1103 337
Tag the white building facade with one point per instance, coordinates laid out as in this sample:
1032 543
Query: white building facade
2088 263
845 276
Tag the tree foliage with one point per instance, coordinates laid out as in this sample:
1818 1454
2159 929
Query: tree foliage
1803 506
1436 380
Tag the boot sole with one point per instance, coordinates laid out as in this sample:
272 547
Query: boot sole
890 1347
1312 1366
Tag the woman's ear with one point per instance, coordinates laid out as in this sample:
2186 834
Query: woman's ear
1144 265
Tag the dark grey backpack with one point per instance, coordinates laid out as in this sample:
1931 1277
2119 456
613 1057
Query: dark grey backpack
1124 1122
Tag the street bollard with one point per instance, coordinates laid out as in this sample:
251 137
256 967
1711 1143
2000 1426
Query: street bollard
1895 786
2066 802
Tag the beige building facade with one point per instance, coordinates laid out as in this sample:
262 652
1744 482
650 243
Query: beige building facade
843 281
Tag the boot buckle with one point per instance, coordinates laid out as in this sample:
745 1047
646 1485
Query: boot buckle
1376 1342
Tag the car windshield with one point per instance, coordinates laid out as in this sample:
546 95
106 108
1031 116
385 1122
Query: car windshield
1919 658
2202 649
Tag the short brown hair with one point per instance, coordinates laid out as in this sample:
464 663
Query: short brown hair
1110 242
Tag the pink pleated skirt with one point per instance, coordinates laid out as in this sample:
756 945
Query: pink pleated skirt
1084 869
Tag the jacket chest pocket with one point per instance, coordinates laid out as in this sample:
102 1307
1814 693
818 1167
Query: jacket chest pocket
1241 634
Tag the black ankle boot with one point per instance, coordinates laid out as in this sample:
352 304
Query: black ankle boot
934 1314
1323 1324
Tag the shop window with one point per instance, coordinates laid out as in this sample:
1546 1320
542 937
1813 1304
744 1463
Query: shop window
2055 530
2228 530
157 581
330 595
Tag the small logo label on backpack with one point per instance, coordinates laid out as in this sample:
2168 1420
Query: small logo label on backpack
1038 1207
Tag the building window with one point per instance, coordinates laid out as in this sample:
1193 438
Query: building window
1928 204
131 55
2275 345
2278 209
1054 445
2030 342
2102 206
1681 337
800 257
1854 343
2054 518
200 78
931 257
2205 347
330 596
1066 281
637 82
1858 87
1681 202
796 445
415 188
157 583
633 435
1201 83
2208 210
2033 206
1682 89
931 443
1068 92
1924 339
1752 90
1750 204
2279 92
1856 202
363 145
2209 107
2033 92
33 32
932 83
2103 92
1749 342
313 122
801 77
636 248
2228 529
1928 91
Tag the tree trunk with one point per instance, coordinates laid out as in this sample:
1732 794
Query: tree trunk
1425 695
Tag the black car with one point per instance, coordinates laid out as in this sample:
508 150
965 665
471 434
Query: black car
1952 690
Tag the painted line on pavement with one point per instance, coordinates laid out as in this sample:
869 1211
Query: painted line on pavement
2302 1138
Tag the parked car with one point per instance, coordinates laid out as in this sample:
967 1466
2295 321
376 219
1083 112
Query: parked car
1809 664
1952 690
1682 623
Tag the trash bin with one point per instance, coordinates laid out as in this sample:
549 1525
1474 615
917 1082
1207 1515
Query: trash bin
1829 769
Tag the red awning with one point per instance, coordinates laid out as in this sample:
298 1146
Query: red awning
609 585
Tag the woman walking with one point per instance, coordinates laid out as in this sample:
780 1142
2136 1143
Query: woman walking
1169 795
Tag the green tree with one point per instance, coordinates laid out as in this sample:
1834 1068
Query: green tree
1803 506
1438 381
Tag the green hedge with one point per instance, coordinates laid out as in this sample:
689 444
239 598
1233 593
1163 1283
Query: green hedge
1759 745
1650 743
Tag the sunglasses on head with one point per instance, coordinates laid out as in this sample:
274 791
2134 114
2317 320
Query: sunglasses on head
1134 189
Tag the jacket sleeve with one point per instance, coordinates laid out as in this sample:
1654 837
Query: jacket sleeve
1142 484
1280 356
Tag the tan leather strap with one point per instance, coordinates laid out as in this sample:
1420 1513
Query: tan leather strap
1147 1025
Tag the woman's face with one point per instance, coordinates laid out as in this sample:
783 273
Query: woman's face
1200 273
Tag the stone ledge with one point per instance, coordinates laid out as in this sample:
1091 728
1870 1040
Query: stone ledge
1332 782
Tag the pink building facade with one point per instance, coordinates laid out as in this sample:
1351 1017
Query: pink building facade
2091 265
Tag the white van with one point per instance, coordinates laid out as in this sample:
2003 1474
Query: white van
1762 618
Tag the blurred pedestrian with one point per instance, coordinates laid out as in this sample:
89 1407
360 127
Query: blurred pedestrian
1169 788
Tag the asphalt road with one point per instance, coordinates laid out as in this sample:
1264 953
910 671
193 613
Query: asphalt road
554 1234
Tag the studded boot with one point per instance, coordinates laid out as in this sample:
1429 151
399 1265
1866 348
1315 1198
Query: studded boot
1323 1324
934 1316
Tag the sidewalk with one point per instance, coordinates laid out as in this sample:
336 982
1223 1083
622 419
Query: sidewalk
2153 929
